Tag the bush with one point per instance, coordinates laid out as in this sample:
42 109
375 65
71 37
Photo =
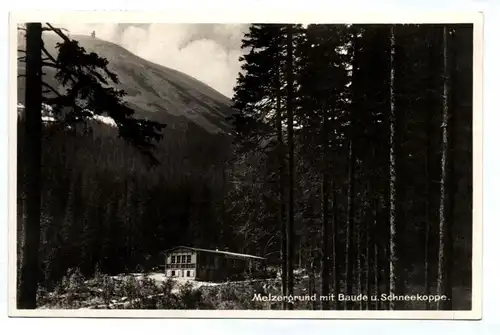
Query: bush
130 292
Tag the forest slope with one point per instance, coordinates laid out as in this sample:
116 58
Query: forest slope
102 206
161 93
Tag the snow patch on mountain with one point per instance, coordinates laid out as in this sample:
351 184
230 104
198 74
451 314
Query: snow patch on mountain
105 119
48 115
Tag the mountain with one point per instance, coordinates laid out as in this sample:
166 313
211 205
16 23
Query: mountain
153 91
98 192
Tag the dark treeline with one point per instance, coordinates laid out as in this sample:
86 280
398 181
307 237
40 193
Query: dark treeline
341 168
104 208
381 154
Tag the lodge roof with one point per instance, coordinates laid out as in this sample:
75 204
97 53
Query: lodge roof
227 253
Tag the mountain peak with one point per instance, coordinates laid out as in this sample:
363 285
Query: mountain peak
154 91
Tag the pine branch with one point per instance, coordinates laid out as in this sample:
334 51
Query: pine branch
49 56
54 66
51 89
47 29
59 32
81 71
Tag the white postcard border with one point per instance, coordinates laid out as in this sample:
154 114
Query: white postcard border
215 15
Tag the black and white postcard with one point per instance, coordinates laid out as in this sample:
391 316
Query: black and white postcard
246 166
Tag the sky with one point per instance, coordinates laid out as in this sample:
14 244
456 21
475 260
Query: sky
207 52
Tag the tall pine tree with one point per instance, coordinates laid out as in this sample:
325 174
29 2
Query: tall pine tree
84 75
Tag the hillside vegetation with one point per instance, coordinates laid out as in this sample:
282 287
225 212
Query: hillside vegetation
156 91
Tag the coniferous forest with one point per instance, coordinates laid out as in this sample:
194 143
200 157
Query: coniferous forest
347 165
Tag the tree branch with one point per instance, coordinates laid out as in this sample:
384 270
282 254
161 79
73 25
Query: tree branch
44 50
51 89
54 66
54 62
59 32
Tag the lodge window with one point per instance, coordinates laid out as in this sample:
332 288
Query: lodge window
181 266
188 273
180 261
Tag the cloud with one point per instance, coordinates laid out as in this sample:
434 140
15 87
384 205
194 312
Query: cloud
207 52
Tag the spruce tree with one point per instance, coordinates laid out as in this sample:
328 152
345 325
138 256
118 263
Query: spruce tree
86 78
258 97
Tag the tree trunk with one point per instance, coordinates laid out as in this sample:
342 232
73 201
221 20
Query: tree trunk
379 252
445 260
368 273
291 159
371 240
428 168
359 272
311 274
376 270
336 253
393 256
349 228
281 186
325 183
32 162
300 245
349 261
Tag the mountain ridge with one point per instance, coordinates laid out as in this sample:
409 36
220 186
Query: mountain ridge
155 91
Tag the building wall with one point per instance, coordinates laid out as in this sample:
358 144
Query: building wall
206 266
216 267
209 267
181 269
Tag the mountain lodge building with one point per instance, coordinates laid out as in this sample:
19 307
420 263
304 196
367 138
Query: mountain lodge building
210 265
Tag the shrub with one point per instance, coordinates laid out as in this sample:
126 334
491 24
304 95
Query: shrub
130 292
